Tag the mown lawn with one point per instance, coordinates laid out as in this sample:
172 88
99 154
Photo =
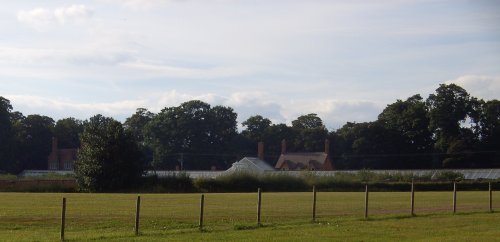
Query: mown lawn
232 217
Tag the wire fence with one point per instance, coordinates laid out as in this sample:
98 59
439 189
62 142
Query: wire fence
116 213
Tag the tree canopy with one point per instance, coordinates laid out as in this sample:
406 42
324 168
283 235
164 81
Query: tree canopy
6 133
68 131
109 158
448 129
191 135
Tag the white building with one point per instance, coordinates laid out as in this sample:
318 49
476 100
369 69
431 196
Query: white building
250 165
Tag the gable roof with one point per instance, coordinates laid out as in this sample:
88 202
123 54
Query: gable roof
250 164
294 161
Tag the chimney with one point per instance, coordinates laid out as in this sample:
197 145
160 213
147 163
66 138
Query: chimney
260 150
283 146
54 145
327 146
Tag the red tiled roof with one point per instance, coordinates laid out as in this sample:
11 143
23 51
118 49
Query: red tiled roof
299 161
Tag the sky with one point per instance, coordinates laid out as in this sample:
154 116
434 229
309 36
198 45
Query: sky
343 60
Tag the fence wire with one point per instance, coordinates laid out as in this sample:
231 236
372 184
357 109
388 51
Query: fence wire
114 213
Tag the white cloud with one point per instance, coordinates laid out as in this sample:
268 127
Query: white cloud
138 5
38 18
39 103
42 19
74 13
486 87
267 58
158 101
334 113
163 70
89 55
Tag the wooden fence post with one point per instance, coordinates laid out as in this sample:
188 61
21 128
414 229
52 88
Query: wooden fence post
366 201
259 203
314 204
63 218
412 198
202 203
491 197
454 197
137 212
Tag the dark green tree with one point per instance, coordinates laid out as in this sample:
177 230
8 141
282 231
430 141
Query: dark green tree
276 133
256 128
109 158
193 135
369 145
309 121
410 119
490 124
33 141
136 124
222 128
448 109
15 164
6 134
489 133
68 131
310 133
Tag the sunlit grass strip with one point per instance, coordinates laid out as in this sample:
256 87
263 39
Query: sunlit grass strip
35 216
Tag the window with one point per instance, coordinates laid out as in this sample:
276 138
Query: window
53 165
68 165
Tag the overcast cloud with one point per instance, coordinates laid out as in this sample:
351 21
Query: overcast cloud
344 60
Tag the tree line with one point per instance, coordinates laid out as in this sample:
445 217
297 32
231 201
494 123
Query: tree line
448 129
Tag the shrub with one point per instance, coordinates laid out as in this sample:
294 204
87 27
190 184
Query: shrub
180 182
448 176
235 182
283 183
109 159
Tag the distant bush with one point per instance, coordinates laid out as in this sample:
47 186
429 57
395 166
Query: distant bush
38 185
49 176
283 182
234 182
180 182
247 182
268 182
341 182
7 177
448 176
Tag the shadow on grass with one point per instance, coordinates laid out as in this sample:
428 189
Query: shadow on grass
401 217
250 227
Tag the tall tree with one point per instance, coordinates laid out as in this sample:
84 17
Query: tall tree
192 135
136 124
408 121
68 131
308 121
311 133
109 158
490 124
34 139
6 134
369 145
489 134
256 128
448 109
222 128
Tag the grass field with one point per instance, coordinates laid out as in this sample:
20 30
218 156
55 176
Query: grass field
232 217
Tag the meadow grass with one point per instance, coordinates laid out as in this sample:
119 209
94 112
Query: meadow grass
232 217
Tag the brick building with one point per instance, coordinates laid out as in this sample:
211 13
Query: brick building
320 161
61 159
